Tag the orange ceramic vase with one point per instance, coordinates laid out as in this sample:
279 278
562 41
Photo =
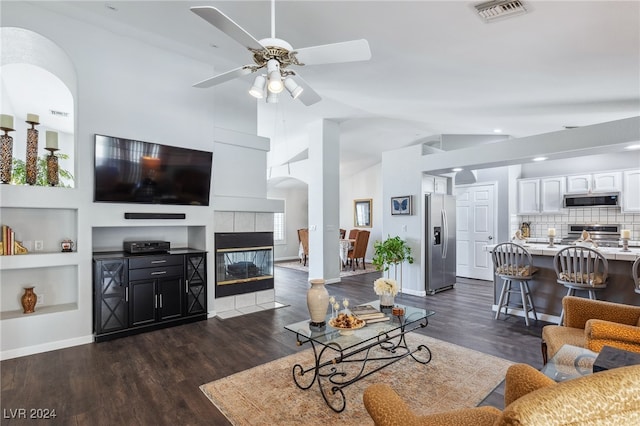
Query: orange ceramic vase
29 299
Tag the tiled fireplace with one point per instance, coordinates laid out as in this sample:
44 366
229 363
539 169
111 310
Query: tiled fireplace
248 285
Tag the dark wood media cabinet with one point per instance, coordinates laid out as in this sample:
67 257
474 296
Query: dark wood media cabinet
134 293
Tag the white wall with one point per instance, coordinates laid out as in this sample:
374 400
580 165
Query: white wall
129 89
296 213
363 185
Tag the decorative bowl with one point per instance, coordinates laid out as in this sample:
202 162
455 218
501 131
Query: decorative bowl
347 330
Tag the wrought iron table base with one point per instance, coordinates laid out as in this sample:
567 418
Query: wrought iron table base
331 380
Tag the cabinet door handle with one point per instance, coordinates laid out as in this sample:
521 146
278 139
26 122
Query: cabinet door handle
186 286
159 273
156 302
158 261
160 301
126 294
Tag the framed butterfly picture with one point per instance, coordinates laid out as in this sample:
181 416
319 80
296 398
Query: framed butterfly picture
401 205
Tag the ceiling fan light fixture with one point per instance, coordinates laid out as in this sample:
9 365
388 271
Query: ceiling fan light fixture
292 87
257 89
275 78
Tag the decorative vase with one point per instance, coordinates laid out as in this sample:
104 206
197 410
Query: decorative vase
29 299
386 301
317 302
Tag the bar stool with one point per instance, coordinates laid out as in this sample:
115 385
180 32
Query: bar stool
635 268
581 268
512 262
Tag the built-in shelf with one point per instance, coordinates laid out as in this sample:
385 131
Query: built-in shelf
38 260
44 310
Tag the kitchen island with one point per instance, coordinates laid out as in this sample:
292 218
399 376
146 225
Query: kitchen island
547 294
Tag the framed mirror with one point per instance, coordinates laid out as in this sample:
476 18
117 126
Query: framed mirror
362 213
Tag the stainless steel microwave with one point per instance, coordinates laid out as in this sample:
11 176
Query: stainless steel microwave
609 199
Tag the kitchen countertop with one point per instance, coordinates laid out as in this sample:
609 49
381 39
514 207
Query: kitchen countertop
610 253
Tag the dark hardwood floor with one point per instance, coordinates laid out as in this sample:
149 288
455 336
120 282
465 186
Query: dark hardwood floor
154 378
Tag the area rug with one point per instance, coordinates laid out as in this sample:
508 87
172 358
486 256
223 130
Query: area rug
343 273
455 378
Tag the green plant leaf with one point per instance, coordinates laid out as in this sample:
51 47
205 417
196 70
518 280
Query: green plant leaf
19 172
392 251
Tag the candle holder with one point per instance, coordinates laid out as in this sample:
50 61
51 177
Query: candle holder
52 167
551 244
625 244
6 155
32 154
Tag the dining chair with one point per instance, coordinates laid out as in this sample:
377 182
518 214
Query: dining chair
359 249
512 262
581 268
303 236
635 268
353 233
343 233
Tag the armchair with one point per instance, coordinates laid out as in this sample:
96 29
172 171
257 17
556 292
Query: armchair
531 398
593 324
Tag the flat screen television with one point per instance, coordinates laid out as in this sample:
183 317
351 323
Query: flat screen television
130 171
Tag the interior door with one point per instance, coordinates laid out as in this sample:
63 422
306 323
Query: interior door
476 221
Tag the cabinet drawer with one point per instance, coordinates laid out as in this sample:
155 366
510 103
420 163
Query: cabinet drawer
154 261
153 273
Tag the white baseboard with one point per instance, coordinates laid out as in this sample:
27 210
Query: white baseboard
45 347
414 292
520 313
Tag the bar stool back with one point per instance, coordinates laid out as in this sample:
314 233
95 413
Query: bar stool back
636 274
512 262
581 268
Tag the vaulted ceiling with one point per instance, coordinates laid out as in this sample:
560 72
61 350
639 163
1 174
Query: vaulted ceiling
436 67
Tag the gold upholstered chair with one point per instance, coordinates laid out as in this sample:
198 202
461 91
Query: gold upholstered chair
593 324
609 397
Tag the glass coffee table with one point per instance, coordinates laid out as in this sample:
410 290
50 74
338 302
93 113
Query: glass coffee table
570 362
341 358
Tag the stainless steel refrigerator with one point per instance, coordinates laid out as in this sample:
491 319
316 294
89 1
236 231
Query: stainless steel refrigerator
440 242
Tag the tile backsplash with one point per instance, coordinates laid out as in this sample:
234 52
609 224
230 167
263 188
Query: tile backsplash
594 215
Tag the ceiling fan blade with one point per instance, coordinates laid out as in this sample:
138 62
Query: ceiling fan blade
225 24
308 95
347 51
226 76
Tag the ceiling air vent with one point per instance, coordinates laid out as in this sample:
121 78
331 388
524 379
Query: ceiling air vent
498 9
58 113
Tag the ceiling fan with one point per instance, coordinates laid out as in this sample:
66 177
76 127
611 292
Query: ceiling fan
273 58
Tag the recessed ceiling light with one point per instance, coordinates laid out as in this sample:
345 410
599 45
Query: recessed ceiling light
457 169
632 147
497 130
539 158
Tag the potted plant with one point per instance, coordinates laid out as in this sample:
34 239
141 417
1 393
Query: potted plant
392 251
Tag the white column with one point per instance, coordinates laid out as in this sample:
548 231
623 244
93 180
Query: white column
324 200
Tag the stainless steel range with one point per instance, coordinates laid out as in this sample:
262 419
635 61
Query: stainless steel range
603 235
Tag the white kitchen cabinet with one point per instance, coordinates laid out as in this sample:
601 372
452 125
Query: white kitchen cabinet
631 191
528 196
607 182
597 182
440 185
551 194
434 184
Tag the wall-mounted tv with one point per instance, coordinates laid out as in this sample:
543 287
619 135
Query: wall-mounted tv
130 171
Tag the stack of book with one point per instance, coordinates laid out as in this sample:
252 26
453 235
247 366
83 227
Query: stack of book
368 313
8 240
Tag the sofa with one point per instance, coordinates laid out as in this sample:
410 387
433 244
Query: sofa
609 397
593 324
